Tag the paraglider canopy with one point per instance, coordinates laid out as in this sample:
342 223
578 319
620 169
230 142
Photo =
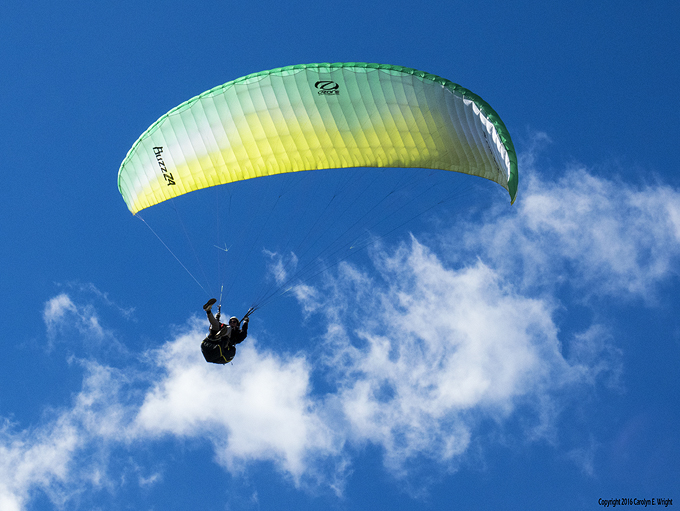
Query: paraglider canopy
317 116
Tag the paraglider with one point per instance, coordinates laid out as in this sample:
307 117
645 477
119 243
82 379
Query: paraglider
312 117
219 347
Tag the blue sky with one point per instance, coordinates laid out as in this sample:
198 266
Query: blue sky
484 356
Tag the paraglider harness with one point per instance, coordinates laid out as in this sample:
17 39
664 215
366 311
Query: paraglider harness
219 347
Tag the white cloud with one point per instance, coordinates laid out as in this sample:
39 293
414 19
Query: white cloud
49 457
424 352
257 408
431 351
594 353
79 321
280 268
600 236
61 312
56 309
584 457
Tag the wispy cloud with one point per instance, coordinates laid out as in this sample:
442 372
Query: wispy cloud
80 322
56 310
54 457
423 353
598 236
280 267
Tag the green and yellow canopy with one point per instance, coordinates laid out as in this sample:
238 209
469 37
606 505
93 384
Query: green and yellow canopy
317 116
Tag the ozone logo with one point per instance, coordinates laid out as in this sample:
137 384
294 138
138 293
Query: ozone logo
327 87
